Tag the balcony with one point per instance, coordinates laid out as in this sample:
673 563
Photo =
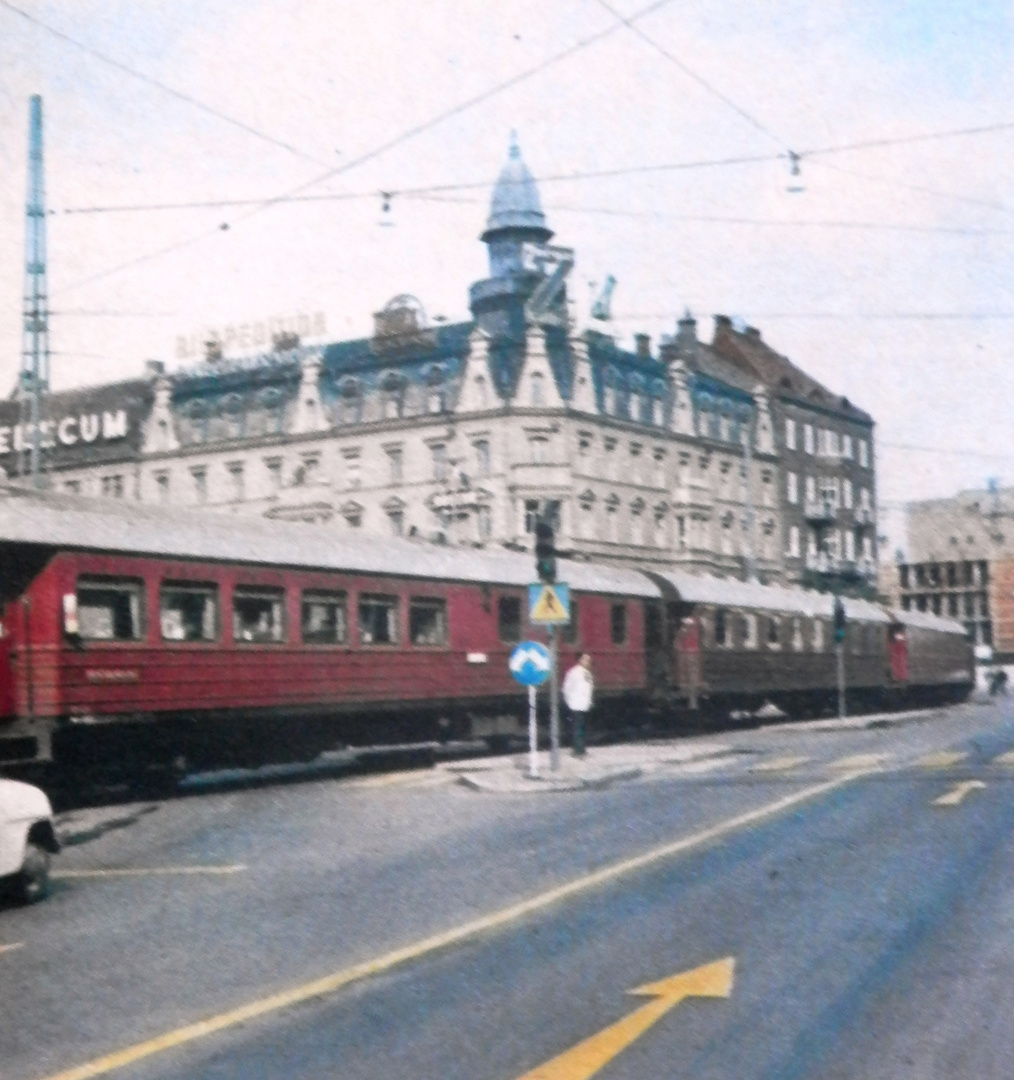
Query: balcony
820 511
865 516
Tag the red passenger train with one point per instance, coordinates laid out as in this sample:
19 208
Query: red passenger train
133 638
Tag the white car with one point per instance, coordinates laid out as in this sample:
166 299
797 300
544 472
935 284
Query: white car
27 840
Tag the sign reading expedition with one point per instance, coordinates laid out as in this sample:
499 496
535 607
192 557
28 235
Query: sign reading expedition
67 431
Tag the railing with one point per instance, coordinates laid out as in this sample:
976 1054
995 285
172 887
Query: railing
819 511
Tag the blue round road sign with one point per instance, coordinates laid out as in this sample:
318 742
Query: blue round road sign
530 663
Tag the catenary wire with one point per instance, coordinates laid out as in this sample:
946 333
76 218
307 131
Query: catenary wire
699 79
178 94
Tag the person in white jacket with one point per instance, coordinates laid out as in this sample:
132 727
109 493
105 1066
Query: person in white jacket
578 690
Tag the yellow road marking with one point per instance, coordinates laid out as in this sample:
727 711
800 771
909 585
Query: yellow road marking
1004 759
942 759
588 1057
780 764
340 979
859 761
958 792
390 779
10 948
148 871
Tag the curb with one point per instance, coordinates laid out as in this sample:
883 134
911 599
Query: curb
521 784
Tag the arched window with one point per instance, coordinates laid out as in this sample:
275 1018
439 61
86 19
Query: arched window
436 390
351 402
537 390
392 389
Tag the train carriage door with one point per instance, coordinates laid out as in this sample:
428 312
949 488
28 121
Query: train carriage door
657 655
688 655
897 650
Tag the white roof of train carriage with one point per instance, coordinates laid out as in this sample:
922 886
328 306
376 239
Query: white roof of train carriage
727 592
76 523
925 620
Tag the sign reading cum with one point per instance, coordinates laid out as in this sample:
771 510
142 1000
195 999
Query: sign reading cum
67 431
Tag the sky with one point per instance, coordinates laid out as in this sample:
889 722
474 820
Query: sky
660 134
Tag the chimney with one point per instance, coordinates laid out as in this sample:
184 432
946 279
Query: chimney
642 343
154 368
753 333
722 324
686 332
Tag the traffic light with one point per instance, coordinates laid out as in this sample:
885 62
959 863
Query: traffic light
545 552
839 619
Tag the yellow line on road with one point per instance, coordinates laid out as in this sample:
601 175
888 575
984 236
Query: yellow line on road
11 947
391 780
859 761
340 979
780 764
148 871
942 759
958 793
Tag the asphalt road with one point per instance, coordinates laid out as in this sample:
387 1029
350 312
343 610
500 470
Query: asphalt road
867 930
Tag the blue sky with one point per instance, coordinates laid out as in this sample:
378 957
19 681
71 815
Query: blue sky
889 277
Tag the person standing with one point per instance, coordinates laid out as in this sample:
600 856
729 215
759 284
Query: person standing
578 689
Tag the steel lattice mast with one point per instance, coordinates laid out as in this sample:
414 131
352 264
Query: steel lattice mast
35 337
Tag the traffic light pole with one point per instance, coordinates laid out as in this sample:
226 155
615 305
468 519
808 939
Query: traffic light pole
533 736
839 648
554 699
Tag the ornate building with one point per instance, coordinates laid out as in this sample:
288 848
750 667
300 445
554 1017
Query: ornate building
459 433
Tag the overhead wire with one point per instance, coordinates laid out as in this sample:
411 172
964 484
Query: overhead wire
699 79
180 95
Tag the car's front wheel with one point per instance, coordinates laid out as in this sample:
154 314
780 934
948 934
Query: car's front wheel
33 880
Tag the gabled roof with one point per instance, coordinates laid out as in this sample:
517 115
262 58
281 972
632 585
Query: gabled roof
751 354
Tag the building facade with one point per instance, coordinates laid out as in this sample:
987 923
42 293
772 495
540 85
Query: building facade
959 562
465 433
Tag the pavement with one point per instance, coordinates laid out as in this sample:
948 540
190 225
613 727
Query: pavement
603 766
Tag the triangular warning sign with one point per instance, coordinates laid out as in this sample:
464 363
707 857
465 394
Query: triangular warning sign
548 607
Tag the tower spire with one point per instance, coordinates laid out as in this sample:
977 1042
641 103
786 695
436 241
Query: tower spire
35 335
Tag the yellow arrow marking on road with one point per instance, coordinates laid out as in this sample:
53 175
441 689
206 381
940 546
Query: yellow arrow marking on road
780 764
12 947
943 759
585 1059
953 797
1004 759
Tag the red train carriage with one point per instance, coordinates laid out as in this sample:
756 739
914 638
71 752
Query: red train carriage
129 632
132 638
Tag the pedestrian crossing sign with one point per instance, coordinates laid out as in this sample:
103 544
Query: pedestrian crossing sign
549 604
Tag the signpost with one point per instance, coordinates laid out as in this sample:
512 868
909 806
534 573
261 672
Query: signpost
549 604
530 664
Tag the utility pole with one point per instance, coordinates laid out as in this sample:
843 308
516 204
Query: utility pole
35 336
840 628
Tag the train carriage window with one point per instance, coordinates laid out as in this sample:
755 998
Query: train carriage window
774 632
568 630
110 610
258 614
750 631
188 612
797 635
618 623
508 619
324 618
818 635
722 636
378 620
427 621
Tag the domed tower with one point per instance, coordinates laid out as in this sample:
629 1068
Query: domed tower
515 229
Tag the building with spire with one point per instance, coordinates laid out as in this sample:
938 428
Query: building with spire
460 433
